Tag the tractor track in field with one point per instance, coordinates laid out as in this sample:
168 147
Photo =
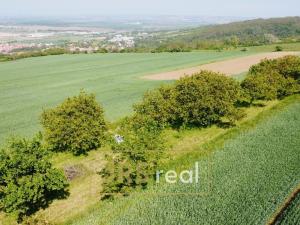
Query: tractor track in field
280 211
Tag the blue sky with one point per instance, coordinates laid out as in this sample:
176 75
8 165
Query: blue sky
241 8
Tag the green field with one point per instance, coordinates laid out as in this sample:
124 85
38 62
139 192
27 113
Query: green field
251 175
29 85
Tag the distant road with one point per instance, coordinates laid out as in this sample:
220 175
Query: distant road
228 67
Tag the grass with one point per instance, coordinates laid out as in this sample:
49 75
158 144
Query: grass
84 189
254 167
29 85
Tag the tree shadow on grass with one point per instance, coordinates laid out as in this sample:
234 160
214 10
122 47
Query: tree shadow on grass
50 197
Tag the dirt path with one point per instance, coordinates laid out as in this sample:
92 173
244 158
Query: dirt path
228 67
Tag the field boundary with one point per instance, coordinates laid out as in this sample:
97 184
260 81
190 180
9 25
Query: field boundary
228 67
279 212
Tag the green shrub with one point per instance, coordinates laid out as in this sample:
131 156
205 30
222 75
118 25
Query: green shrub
264 86
136 158
27 179
77 125
142 136
288 66
204 98
271 79
278 48
158 104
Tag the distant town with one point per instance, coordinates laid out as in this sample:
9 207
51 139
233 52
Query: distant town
74 41
91 35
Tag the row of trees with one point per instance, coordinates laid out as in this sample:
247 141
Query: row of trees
201 100
23 55
207 98
28 181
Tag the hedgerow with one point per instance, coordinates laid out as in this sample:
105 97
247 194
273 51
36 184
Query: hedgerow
202 100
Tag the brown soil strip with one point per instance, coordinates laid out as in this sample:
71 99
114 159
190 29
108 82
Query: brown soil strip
278 214
228 67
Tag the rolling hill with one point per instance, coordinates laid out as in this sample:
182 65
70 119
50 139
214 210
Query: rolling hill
246 33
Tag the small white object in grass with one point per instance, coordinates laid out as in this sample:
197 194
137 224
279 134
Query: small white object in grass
119 139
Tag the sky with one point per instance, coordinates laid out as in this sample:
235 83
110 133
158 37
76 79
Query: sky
73 8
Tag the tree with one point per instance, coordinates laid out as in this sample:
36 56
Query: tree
27 180
234 41
264 86
201 100
77 125
206 97
278 48
288 66
136 158
158 104
271 79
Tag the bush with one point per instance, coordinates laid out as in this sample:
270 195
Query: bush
159 105
136 158
278 48
142 136
77 125
201 100
27 180
264 86
288 66
204 98
271 79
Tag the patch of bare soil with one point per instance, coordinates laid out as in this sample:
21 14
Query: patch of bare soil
72 172
228 67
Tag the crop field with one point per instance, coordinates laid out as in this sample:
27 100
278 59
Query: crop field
29 85
251 175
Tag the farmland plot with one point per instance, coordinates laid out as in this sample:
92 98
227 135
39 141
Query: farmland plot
29 85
